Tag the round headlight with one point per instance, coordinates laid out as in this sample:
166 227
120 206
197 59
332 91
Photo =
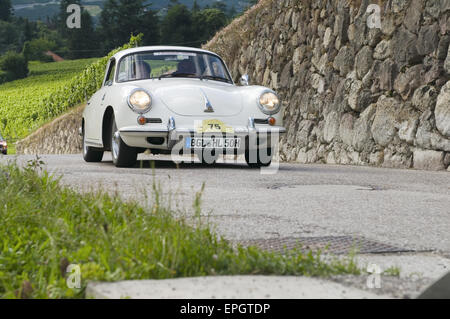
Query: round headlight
140 101
269 103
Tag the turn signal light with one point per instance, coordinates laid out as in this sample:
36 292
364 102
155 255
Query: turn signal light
272 121
141 120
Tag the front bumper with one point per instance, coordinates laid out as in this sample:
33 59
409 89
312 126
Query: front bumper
167 137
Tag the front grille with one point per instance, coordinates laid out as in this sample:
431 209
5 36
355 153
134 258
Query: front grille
261 121
153 120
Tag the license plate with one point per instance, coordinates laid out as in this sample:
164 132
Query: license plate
213 142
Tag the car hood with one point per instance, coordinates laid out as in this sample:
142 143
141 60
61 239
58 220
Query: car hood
193 97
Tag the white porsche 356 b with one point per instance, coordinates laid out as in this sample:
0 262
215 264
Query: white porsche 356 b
178 100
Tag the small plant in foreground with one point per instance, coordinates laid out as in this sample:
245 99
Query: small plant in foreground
392 271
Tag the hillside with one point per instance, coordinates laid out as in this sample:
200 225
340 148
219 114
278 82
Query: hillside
40 9
20 100
352 94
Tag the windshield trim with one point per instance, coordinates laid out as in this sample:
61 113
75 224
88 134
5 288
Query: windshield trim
229 80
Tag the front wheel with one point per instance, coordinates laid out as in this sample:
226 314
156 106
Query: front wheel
90 154
258 158
122 154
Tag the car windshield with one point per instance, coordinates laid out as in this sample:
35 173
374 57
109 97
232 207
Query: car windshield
165 64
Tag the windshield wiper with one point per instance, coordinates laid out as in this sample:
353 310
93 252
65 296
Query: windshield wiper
217 78
181 74
175 75
165 76
192 75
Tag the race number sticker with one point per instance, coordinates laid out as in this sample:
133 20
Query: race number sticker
213 126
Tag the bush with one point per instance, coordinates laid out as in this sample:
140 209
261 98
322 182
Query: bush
36 49
14 65
3 77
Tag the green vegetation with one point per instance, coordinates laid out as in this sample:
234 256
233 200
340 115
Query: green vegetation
5 10
35 49
392 271
13 66
108 24
45 227
50 90
22 107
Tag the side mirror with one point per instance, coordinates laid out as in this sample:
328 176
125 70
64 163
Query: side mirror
245 79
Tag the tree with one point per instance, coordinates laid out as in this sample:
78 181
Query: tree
207 22
120 18
177 26
173 3
82 43
220 5
63 15
195 7
232 12
15 65
9 35
78 42
29 30
5 10
36 49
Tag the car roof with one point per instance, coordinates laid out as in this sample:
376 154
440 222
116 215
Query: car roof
122 53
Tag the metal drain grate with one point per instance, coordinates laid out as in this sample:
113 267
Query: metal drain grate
330 244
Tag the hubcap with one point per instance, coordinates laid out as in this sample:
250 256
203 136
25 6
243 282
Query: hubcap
115 144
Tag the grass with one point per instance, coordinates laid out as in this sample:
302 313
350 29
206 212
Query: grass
392 271
45 226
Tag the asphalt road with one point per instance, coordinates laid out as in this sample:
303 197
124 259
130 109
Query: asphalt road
403 208
407 208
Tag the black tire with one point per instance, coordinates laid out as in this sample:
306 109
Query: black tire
122 154
90 154
260 160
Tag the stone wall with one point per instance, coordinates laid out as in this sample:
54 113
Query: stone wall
352 94
57 137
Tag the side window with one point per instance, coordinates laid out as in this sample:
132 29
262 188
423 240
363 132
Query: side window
217 67
111 71
124 69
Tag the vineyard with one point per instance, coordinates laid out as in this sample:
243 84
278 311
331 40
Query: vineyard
49 90
20 100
